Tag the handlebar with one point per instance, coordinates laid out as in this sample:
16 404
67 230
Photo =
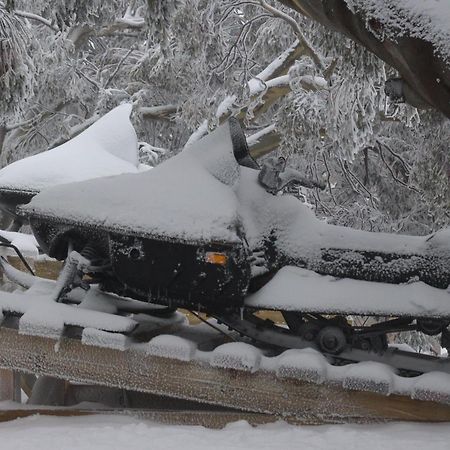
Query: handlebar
274 176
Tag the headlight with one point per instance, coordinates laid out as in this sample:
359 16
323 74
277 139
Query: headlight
219 259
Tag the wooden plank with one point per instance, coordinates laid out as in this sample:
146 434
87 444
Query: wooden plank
260 392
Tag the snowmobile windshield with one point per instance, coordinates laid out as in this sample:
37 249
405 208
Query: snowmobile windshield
189 197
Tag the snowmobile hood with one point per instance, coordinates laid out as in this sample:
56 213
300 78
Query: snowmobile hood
188 197
108 147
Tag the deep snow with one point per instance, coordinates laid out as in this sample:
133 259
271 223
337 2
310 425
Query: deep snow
114 432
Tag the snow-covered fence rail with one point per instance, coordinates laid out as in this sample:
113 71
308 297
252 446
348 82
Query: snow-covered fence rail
283 393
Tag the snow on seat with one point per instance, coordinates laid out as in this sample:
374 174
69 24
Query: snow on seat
108 147
296 289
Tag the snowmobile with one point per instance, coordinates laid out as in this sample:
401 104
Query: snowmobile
209 230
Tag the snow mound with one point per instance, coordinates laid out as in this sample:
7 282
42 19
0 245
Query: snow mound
169 346
108 147
99 338
306 364
434 386
238 356
369 376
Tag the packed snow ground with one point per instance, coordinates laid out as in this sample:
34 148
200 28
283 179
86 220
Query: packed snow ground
114 432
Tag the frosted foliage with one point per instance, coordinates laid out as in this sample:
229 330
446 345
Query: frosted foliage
16 65
347 110
69 12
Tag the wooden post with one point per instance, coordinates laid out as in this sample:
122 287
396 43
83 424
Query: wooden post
6 384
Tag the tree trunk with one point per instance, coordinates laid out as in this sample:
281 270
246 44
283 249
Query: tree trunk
3 132
425 75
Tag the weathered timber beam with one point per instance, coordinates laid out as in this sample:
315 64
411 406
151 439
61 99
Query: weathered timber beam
260 392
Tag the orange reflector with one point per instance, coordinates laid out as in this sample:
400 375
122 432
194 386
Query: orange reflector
216 258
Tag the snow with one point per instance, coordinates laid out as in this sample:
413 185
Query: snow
307 364
44 317
300 234
187 196
424 19
108 147
432 386
169 346
26 243
255 137
294 288
119 432
99 338
380 379
237 356
203 195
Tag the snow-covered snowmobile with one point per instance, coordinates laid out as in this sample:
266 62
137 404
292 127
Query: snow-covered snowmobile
209 231
108 147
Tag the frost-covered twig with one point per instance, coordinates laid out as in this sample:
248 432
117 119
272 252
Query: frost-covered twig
32 16
270 84
132 18
298 32
108 82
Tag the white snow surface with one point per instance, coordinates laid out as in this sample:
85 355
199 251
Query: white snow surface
44 317
169 346
119 432
237 356
293 288
108 147
188 196
424 19
26 243
202 194
303 364
301 235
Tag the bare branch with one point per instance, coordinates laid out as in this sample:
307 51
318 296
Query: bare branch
118 67
264 141
40 19
163 112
